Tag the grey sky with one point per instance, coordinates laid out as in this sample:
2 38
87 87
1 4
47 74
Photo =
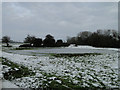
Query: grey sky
57 18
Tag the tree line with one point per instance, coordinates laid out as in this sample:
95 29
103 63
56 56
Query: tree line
49 41
100 38
32 41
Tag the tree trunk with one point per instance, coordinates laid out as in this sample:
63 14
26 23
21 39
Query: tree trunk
7 44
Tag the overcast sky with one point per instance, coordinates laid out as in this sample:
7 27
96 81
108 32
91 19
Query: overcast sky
57 18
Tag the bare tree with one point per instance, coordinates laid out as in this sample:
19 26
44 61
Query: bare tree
115 34
84 34
107 32
100 32
6 39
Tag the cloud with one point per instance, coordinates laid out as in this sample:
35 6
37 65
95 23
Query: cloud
59 19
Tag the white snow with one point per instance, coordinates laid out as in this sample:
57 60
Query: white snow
90 47
8 84
59 81
102 67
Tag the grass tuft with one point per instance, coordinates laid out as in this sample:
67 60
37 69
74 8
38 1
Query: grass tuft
16 71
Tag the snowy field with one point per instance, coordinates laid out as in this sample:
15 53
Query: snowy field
85 71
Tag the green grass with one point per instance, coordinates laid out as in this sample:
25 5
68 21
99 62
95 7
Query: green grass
74 55
23 48
13 73
6 46
66 83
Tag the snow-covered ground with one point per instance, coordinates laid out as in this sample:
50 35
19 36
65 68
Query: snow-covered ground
90 47
8 84
96 70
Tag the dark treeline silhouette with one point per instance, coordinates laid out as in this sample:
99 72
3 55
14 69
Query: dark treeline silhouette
49 41
100 38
